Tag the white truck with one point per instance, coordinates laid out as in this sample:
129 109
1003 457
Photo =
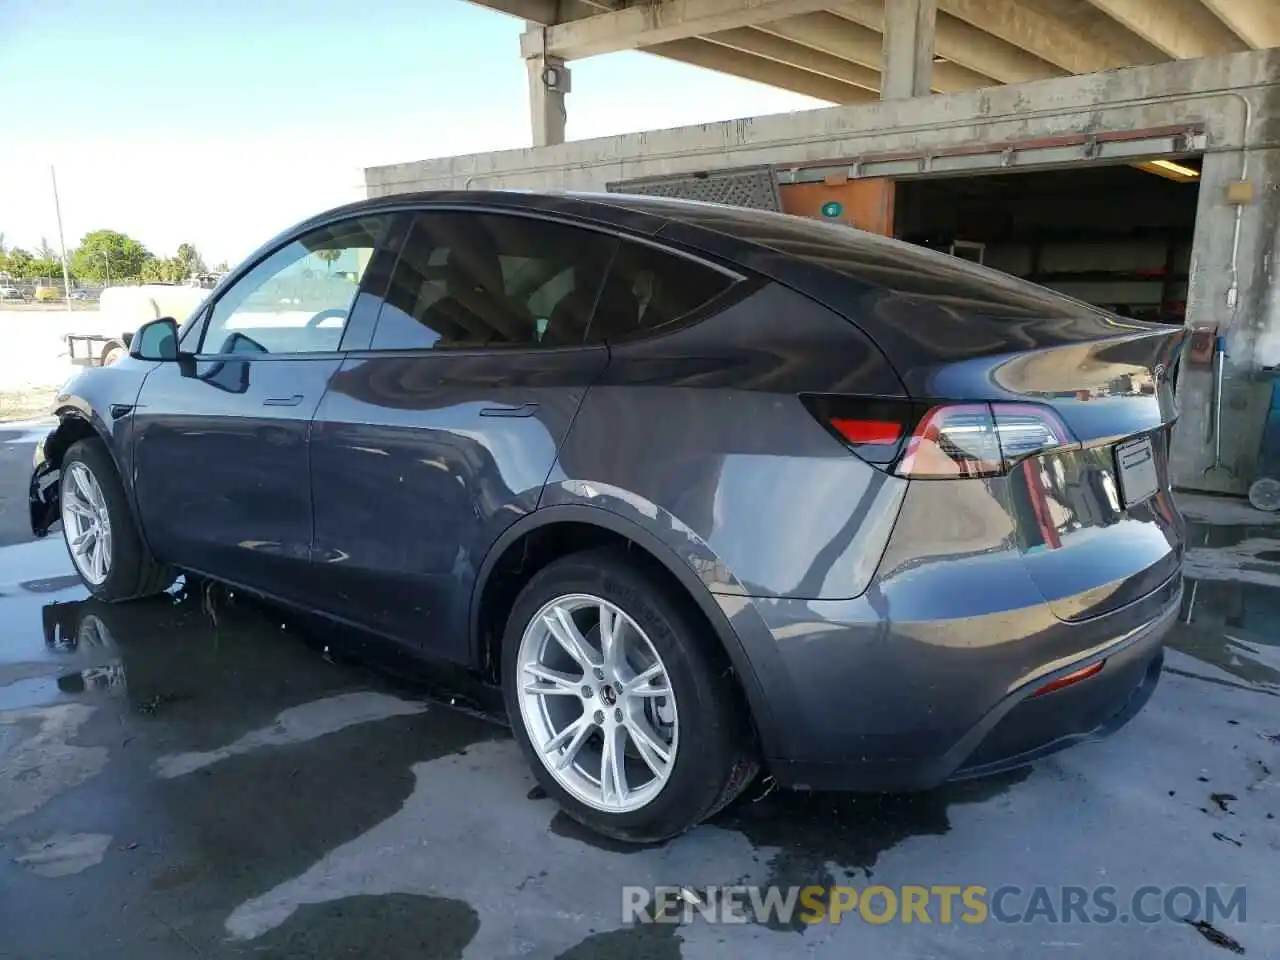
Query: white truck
121 310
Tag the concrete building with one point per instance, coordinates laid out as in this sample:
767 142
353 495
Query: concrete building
1124 151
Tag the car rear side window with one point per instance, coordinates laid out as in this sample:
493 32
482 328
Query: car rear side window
479 280
650 289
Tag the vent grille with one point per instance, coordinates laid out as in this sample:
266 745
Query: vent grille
756 189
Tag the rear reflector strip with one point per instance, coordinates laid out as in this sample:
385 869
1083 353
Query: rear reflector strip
1074 677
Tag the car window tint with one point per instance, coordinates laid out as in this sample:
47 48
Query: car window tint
298 298
468 280
649 289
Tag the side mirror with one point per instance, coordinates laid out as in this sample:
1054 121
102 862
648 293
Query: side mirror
157 340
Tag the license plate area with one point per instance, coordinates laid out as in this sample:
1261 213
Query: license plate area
1136 469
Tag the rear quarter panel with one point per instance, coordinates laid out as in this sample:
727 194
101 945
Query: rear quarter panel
701 435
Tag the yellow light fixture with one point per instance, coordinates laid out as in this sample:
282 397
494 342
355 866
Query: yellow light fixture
1169 170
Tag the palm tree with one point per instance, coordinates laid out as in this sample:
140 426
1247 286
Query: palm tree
329 256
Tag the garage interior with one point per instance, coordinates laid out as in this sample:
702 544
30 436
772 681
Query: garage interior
1118 236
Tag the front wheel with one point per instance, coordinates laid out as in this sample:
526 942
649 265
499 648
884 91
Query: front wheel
99 529
621 702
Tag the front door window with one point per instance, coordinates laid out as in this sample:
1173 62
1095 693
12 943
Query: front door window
298 299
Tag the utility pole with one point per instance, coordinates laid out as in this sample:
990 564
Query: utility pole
62 244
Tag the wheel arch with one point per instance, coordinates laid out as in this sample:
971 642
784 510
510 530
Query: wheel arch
76 422
73 426
493 594
44 501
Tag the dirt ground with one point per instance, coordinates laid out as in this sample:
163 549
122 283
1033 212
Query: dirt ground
26 403
33 355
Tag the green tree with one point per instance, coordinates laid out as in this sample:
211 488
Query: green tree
43 267
104 252
188 257
154 269
162 270
20 264
222 267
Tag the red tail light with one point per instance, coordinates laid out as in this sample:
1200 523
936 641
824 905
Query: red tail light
949 440
979 439
861 432
873 429
953 441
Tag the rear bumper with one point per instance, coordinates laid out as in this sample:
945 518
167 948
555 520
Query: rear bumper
1038 727
915 715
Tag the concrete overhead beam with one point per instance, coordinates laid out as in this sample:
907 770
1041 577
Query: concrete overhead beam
1050 39
1256 22
649 24
701 53
962 44
827 33
1184 29
775 48
536 11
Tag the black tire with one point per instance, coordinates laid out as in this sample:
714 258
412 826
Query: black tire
711 768
133 572
113 354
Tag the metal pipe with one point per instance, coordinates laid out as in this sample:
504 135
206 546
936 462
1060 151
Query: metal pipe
1092 111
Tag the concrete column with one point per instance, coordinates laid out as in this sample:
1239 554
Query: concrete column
907 67
548 84
1235 287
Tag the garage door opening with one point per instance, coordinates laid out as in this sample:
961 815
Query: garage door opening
1119 237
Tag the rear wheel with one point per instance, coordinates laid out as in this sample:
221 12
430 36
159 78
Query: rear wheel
113 354
99 528
620 701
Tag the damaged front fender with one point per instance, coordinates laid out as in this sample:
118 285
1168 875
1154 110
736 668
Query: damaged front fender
44 492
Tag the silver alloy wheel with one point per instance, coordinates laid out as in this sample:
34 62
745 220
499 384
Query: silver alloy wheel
86 524
597 703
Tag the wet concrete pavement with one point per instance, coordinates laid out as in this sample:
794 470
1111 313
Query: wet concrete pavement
197 776
17 441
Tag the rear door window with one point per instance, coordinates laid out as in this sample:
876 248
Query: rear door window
480 280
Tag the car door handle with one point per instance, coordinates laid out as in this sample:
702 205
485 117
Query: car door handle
283 401
524 410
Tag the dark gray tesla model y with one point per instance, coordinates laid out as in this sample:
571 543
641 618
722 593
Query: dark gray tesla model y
705 490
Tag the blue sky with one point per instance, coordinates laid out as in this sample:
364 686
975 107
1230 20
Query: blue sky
221 123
